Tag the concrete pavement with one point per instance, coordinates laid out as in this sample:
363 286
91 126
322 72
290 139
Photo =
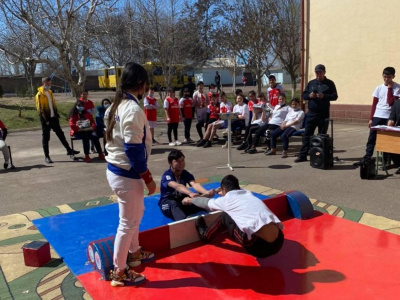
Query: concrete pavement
36 189
35 184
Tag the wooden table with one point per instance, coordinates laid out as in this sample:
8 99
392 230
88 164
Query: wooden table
386 141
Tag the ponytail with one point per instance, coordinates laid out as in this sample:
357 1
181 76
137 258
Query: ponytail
119 96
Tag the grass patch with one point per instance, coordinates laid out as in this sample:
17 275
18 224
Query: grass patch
9 111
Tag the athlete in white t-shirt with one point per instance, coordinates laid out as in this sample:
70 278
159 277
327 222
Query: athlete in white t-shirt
384 97
247 219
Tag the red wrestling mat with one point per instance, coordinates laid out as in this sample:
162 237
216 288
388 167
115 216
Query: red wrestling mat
322 258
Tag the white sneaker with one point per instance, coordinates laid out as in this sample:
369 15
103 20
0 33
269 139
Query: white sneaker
225 145
172 144
178 143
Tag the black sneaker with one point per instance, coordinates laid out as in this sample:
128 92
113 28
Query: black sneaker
5 165
397 172
201 143
242 146
73 152
201 228
300 159
362 161
48 160
252 151
207 144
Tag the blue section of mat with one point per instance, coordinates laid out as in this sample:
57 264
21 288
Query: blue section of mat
69 234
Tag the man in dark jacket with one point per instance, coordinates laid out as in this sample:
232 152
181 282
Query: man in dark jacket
319 92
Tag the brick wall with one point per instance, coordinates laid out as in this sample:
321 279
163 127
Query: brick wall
355 113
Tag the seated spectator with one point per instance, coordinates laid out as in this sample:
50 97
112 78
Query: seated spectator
243 117
211 91
101 110
268 108
252 100
278 116
174 189
239 92
83 127
291 124
213 110
3 145
225 107
258 120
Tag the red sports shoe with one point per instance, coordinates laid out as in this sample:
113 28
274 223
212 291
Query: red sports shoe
87 159
102 157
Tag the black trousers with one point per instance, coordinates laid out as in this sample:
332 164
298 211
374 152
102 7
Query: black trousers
249 132
260 131
86 137
199 128
54 125
175 210
256 246
172 127
313 121
369 151
188 124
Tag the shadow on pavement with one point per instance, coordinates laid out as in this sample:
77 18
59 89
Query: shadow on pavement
25 168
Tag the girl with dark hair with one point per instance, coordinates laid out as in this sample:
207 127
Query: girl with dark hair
101 110
128 145
83 127
291 124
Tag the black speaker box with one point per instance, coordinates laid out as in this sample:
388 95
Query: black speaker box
321 151
367 169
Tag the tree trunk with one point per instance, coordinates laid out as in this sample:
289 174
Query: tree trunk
294 84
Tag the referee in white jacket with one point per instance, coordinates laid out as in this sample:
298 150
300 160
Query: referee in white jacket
128 145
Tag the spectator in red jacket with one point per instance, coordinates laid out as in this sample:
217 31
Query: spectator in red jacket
83 127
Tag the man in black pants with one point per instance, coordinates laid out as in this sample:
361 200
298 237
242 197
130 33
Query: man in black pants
217 81
247 219
49 118
319 92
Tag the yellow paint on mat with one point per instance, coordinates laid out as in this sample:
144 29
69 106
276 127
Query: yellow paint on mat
32 215
65 208
12 261
14 220
51 280
86 296
256 188
378 222
272 192
394 230
340 214
331 209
